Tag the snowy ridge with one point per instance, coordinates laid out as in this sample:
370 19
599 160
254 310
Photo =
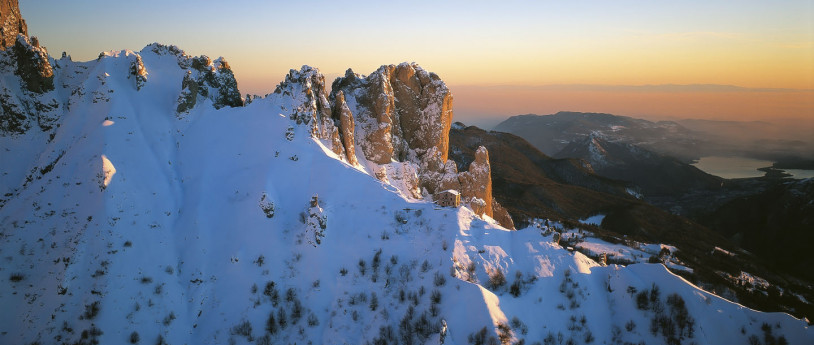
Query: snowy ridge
240 225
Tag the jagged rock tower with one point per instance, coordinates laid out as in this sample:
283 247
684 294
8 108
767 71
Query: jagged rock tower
403 113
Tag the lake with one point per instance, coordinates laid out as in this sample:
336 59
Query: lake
800 173
742 167
732 167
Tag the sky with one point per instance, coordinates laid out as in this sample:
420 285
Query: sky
562 55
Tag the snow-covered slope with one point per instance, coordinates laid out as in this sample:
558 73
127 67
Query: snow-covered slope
130 221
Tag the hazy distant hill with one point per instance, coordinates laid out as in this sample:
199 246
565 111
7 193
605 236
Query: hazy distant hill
551 133
531 184
781 140
652 173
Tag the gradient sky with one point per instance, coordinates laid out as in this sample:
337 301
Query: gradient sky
471 44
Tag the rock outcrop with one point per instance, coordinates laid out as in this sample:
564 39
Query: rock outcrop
476 183
12 23
346 126
138 72
33 65
310 107
214 79
29 62
402 113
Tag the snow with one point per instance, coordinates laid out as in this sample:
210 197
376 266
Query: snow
177 226
108 170
593 220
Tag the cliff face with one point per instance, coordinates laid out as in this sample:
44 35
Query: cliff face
12 23
402 113
26 97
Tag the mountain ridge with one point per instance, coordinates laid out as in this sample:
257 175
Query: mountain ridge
128 220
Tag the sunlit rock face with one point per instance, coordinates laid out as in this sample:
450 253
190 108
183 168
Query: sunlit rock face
402 113
12 23
476 183
26 88
204 79
346 126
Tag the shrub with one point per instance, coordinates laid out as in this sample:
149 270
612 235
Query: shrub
312 320
272 292
91 310
517 324
374 301
271 324
260 260
435 297
296 312
589 337
386 336
134 338
516 288
439 280
281 318
422 328
343 271
362 267
497 279
168 320
376 260
244 328
504 333
641 301
15 277
264 340
630 326
470 270
481 337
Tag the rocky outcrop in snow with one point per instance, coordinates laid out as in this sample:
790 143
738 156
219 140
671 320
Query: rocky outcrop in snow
310 107
476 183
25 91
33 65
12 23
402 113
346 126
214 79
138 71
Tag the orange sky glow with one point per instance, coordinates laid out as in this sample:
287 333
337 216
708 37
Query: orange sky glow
510 52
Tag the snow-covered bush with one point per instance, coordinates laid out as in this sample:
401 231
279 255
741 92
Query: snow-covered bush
266 205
